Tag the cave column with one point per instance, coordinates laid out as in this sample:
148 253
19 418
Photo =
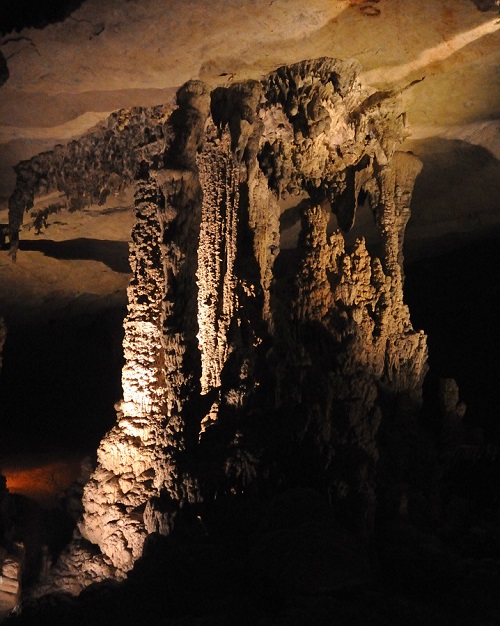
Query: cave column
144 386
396 182
219 178
263 221
126 476
314 294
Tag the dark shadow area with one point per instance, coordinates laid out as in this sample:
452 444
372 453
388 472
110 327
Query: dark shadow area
455 298
60 380
281 561
4 70
114 254
486 5
365 226
20 14
455 196
292 215
290 223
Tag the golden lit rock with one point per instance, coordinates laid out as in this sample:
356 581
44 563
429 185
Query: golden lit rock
225 332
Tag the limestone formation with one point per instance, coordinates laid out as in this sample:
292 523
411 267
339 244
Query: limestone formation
87 170
249 368
10 580
11 555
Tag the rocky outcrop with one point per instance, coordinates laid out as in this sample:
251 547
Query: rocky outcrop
87 170
248 369
10 579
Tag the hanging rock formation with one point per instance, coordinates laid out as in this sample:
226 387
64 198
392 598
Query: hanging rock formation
89 169
249 369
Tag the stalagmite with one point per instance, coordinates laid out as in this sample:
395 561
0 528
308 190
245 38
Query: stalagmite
247 365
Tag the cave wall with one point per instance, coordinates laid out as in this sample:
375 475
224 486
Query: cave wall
249 369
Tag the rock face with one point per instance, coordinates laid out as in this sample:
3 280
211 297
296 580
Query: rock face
11 553
89 169
249 369
10 580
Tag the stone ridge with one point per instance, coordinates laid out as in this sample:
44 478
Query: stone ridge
248 370
89 169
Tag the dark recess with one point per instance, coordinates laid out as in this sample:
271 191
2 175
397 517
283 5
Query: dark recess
114 254
455 298
487 5
18 14
4 70
60 380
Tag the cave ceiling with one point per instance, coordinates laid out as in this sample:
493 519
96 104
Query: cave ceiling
61 78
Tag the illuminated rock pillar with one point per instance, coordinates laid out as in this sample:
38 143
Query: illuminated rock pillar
126 476
406 350
238 374
219 178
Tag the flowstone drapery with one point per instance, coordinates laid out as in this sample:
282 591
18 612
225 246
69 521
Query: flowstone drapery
248 368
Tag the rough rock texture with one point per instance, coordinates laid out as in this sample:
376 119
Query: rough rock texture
370 349
10 580
89 169
248 369
76 568
106 57
12 554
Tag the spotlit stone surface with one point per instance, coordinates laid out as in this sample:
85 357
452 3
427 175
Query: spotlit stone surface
225 334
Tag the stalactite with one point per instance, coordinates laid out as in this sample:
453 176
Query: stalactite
219 178
368 328
263 221
396 182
